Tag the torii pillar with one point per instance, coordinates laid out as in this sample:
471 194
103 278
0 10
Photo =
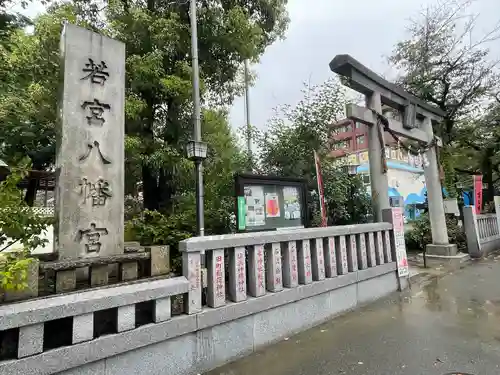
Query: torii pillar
417 125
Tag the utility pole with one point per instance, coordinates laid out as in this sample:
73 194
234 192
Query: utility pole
247 111
198 145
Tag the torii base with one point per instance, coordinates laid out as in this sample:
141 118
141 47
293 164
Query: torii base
441 250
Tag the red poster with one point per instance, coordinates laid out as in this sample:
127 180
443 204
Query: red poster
478 193
321 191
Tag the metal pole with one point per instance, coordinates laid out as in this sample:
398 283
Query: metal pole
247 111
197 119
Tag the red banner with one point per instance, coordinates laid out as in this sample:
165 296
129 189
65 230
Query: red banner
478 193
321 191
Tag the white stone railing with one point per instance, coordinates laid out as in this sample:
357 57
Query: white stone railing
282 259
482 232
34 317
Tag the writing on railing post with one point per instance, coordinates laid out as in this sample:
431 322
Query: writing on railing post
191 269
237 275
330 257
361 251
256 274
274 275
318 260
305 272
371 250
290 265
352 253
342 260
216 291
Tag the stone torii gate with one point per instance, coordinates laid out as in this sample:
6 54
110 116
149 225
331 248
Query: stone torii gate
418 118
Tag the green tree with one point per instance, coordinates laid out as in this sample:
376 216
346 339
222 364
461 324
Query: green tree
446 63
286 149
159 106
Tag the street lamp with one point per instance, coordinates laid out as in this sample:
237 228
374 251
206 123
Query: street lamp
196 149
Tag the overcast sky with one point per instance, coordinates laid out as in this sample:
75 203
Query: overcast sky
321 29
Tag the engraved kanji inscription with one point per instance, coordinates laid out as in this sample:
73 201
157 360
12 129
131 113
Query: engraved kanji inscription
97 192
95 72
92 237
90 147
96 109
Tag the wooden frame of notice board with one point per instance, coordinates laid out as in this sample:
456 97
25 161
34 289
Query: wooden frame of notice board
270 203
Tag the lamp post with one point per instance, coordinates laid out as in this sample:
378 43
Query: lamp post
196 149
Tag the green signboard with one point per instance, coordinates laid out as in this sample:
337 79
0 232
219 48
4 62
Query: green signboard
241 213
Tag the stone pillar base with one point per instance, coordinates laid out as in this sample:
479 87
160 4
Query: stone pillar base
442 250
448 262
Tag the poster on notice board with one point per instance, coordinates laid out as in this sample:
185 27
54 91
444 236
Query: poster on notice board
272 205
291 203
255 210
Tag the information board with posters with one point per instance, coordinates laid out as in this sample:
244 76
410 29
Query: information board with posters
270 203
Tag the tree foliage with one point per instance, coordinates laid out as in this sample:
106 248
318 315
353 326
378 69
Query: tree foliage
292 136
447 63
18 223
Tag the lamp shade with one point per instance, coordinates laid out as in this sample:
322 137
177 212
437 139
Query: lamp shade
196 150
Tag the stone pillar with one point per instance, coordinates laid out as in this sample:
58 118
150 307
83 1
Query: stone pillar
30 340
361 251
379 254
191 270
216 291
342 262
162 309
125 320
440 243
352 254
378 179
237 275
305 274
318 260
371 250
472 232
90 146
290 265
256 273
274 275
331 258
83 328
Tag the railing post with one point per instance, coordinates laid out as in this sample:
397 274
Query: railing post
216 291
371 250
352 253
191 269
330 257
361 252
237 275
472 232
256 272
342 260
305 274
497 212
274 276
318 260
290 267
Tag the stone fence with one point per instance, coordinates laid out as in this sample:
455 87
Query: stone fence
261 287
482 231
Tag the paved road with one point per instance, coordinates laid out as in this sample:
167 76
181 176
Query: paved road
450 324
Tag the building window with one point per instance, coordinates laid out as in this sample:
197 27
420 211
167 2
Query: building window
360 140
366 179
341 145
358 125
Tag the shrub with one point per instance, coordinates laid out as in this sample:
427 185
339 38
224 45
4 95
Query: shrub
420 235
19 224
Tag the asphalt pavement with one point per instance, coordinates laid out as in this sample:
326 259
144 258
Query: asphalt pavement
449 324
